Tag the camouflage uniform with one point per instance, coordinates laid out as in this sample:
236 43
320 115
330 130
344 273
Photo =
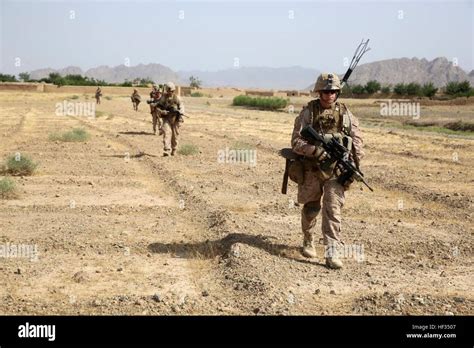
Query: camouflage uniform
171 122
155 95
317 183
136 99
98 95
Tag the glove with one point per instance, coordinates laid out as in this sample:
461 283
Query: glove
319 153
348 183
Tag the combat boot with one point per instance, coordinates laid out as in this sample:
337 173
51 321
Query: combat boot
332 257
334 262
308 246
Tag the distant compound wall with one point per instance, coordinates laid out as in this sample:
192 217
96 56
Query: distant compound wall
91 89
20 86
144 91
260 93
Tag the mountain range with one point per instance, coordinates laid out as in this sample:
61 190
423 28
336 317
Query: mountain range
439 71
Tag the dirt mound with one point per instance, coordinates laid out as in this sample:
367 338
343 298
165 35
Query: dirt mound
411 304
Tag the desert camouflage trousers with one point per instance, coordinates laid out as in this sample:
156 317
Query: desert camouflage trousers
327 197
170 135
155 119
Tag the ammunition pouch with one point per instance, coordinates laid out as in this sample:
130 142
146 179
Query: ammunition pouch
296 171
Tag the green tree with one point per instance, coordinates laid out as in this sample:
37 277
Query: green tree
126 83
194 82
358 89
429 90
400 89
413 88
464 87
7 78
24 76
372 87
459 88
386 90
56 79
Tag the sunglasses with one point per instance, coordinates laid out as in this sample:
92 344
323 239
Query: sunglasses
329 92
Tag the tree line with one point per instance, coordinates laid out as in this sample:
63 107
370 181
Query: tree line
457 89
75 80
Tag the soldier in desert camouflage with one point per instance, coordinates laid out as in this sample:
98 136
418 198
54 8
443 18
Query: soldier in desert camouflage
170 108
326 115
98 95
136 99
155 95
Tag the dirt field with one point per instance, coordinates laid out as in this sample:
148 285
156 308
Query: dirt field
121 230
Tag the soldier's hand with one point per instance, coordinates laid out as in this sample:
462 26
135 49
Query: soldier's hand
320 154
348 183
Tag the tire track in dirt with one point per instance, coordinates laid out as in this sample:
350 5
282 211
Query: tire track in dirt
81 303
208 222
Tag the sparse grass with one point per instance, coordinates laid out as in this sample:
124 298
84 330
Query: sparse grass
460 126
197 94
74 97
435 129
7 188
108 97
457 127
263 103
75 135
188 150
19 164
110 116
241 145
99 114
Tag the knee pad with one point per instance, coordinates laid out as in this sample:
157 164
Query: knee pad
312 209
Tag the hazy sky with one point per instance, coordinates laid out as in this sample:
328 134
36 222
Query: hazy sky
211 35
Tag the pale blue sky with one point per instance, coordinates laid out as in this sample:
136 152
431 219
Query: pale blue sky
213 33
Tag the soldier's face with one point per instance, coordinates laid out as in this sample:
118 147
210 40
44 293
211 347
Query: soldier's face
328 97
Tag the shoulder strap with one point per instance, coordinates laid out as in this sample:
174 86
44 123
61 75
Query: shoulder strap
346 120
313 107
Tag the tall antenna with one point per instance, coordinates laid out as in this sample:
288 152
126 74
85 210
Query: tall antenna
360 51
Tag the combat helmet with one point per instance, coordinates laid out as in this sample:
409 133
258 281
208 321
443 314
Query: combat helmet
327 82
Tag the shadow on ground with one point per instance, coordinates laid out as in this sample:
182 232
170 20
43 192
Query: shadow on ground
136 133
221 247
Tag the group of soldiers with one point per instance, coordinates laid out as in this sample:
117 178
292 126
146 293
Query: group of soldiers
319 190
166 111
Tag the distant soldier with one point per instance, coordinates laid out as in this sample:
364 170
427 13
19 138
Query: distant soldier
98 95
318 180
155 95
170 109
136 99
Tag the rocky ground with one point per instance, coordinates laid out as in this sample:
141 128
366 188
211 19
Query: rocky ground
120 229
